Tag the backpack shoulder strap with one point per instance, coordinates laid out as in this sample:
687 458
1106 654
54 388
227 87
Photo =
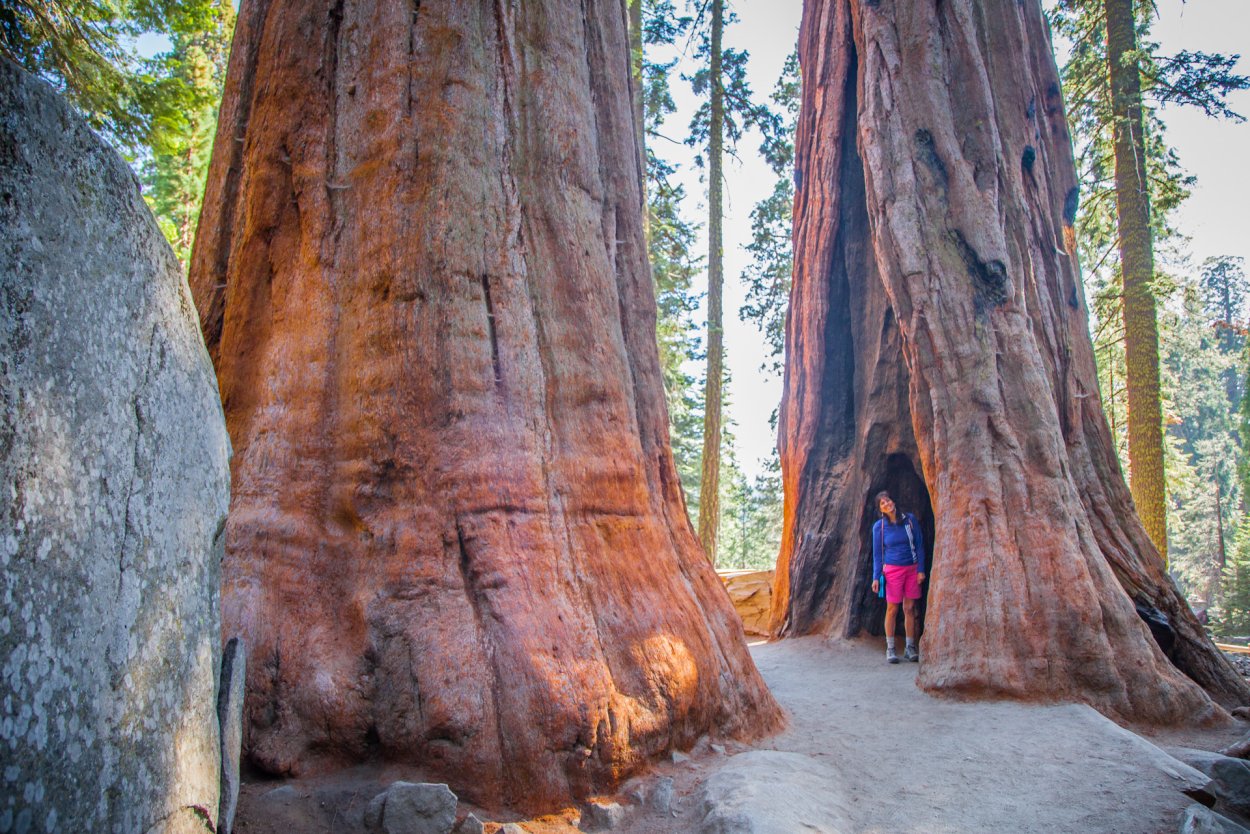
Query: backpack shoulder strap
908 520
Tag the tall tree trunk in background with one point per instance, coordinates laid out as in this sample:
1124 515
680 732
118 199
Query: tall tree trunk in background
456 538
709 484
937 346
1141 332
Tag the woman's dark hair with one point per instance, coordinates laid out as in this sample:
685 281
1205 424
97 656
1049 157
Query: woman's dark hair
877 502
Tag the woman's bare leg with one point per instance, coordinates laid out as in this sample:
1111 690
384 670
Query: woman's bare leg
891 615
909 620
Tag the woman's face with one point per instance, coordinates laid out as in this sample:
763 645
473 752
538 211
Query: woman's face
885 505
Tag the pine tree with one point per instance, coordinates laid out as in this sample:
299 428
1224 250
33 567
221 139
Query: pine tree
768 276
727 112
84 48
1141 335
1087 94
1233 619
674 266
1202 441
191 75
1111 71
78 46
1243 424
751 518
160 112
670 240
757 509
709 482
1225 289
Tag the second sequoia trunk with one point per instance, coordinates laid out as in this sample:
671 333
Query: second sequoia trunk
456 538
937 346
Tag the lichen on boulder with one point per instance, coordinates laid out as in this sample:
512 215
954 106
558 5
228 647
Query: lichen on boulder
115 466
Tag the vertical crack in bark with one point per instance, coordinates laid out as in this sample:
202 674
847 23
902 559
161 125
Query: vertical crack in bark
414 11
490 326
507 73
270 711
331 63
852 207
336 221
416 681
480 606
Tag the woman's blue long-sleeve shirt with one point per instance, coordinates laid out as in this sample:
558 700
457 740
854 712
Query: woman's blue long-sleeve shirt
898 550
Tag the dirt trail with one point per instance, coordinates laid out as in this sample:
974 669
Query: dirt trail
882 756
903 761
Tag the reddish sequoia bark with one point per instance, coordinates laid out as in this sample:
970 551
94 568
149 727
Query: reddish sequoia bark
937 346
457 538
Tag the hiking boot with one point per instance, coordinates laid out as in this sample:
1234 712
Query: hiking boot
911 655
890 656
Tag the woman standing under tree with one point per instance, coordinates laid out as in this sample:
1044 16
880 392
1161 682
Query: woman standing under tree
898 561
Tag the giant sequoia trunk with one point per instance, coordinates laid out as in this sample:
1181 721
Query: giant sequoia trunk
456 537
937 347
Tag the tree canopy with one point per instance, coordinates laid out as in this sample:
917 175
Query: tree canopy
159 109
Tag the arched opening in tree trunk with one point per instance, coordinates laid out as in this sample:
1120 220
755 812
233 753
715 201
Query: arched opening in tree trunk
863 441
907 489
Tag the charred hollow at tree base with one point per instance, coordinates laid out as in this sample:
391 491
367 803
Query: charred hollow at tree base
457 538
867 610
937 325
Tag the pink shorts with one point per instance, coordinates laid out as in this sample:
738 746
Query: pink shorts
900 582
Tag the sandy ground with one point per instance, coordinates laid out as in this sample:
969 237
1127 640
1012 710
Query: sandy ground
869 753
